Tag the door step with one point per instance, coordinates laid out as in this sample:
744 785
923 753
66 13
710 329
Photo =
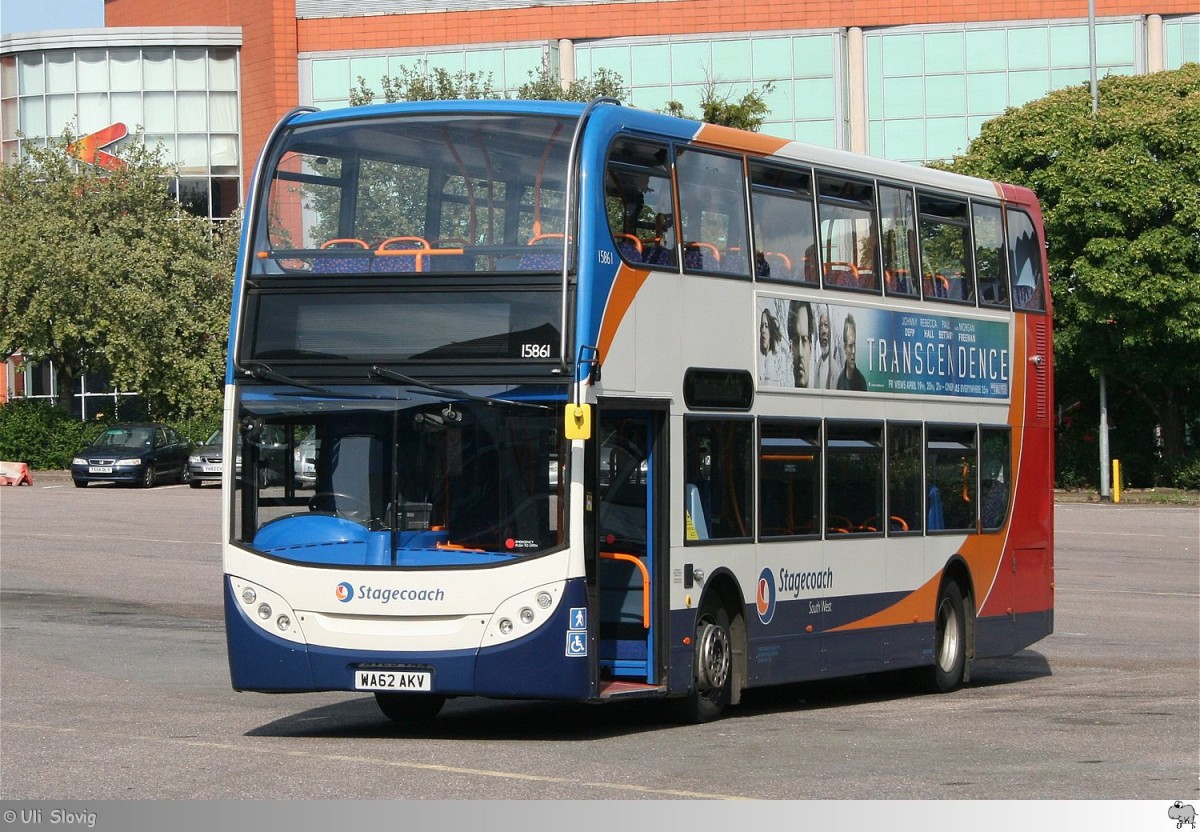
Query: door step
613 688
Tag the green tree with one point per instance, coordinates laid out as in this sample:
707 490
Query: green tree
1120 191
720 107
103 271
544 85
420 83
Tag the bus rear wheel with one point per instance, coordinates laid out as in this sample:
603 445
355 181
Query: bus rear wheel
409 707
712 685
950 640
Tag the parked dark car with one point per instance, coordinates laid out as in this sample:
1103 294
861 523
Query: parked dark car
138 454
206 463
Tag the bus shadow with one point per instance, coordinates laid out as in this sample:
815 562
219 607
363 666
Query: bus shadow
477 718
473 718
887 686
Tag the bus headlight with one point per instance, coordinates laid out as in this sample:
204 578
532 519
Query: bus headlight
268 611
523 613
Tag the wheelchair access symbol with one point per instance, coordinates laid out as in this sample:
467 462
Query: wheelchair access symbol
576 643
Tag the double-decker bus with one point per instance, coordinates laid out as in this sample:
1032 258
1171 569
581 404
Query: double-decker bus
582 402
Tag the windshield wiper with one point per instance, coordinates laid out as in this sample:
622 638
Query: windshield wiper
445 392
262 372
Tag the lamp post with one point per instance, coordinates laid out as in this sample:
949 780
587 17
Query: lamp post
1105 457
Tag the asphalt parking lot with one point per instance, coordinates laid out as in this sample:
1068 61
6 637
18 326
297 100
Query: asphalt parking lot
115 685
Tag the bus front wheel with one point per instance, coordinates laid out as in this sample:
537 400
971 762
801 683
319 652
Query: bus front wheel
409 707
712 685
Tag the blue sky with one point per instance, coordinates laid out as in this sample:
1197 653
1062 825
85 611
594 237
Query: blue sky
35 15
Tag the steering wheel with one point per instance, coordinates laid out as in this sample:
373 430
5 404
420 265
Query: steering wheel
359 509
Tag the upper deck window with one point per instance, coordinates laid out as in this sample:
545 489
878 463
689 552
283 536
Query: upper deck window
991 267
445 193
946 249
848 243
1025 256
639 203
899 226
712 199
785 236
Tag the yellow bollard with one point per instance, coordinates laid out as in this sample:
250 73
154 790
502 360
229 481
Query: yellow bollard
1116 480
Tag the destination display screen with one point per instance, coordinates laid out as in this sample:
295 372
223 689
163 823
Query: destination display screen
329 326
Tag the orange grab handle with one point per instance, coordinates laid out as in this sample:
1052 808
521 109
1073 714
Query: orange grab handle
645 581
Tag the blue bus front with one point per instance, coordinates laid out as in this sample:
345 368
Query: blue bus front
397 380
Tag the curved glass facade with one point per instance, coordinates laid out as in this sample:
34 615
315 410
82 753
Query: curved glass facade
180 95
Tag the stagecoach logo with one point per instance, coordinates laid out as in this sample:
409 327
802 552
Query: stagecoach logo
765 596
346 592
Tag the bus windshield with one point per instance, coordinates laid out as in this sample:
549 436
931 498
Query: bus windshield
407 477
446 193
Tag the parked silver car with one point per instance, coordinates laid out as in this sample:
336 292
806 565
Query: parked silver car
304 466
206 463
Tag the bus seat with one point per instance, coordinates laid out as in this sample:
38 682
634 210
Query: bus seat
936 286
733 260
345 265
548 258
838 273
451 256
695 511
898 282
630 247
400 254
837 524
778 265
658 255
701 256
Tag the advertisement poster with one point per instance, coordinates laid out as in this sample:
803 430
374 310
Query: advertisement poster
827 346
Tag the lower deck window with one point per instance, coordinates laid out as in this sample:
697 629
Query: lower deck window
789 479
718 496
854 479
950 464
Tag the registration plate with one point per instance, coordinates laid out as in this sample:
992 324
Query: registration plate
381 679
100 469
212 469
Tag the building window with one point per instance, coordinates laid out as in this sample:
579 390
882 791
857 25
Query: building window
930 90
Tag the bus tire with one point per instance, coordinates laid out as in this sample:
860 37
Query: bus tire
712 666
409 707
950 640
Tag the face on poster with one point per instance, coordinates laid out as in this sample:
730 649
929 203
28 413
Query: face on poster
817 345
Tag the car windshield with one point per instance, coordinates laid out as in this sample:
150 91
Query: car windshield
124 437
215 439
410 478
